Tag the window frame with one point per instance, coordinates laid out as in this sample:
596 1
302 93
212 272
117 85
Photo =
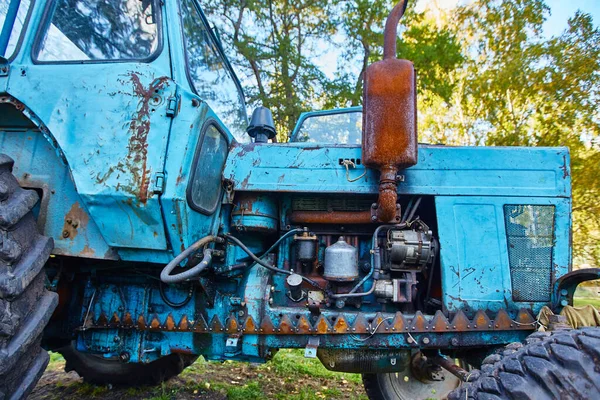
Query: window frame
215 41
188 191
43 28
22 33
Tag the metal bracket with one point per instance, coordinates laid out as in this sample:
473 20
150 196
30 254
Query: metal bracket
311 348
159 183
173 106
4 67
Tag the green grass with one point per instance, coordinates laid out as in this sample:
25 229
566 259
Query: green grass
582 301
289 362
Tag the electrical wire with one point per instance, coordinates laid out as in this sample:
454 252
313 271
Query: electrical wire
262 263
164 297
281 239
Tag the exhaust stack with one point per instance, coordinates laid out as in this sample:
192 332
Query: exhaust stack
389 141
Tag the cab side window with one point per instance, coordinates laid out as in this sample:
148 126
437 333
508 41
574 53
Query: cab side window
204 189
208 72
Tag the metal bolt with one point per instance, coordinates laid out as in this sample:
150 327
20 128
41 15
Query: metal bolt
426 340
454 342
241 313
124 357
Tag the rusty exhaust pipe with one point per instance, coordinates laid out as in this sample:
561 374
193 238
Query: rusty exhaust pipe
389 139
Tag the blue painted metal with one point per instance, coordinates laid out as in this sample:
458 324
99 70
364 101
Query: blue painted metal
113 160
441 171
7 26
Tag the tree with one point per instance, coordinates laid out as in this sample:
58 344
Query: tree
518 88
274 44
434 51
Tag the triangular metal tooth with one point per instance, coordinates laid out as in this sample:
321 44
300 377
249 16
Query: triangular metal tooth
322 326
184 324
439 323
200 325
232 324
215 324
127 320
361 325
266 325
250 326
155 323
481 322
460 322
102 320
341 325
303 326
115 320
525 320
503 321
89 321
418 323
141 322
285 326
399 323
169 323
380 323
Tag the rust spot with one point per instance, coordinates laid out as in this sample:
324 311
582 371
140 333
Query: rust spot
87 251
76 218
565 168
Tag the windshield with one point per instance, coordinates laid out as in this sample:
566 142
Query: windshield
84 30
339 127
14 11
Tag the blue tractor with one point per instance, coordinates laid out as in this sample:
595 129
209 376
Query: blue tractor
144 221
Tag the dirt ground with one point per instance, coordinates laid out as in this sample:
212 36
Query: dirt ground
288 376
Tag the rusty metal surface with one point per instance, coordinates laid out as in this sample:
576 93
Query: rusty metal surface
332 217
332 324
389 117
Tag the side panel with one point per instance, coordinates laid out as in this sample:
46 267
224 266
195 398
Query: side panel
476 273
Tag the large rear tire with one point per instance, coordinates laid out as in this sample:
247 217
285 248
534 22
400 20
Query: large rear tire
563 364
25 304
101 371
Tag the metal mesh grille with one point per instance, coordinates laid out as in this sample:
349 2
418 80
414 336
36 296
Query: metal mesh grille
530 236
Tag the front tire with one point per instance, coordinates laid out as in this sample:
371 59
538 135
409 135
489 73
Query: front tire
25 304
563 364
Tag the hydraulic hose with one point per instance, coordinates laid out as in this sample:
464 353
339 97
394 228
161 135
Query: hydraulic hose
166 276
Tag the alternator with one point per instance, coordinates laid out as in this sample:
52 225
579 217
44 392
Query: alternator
410 249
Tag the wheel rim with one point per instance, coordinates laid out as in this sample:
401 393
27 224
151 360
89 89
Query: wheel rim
410 385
